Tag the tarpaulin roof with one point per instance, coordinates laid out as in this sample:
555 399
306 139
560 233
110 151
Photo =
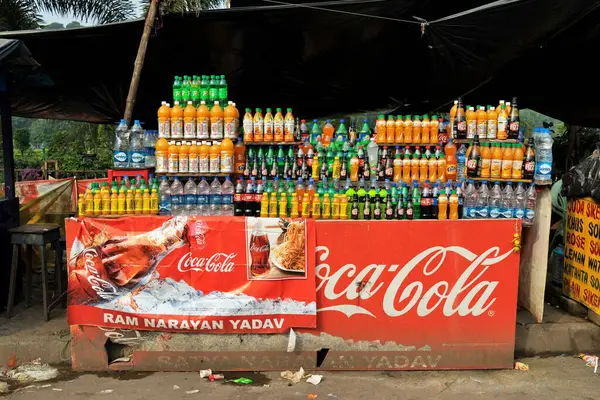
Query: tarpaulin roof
332 58
15 57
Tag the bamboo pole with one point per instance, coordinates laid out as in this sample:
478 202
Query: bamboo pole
139 61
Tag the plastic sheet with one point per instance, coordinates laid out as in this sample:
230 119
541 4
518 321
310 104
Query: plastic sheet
583 179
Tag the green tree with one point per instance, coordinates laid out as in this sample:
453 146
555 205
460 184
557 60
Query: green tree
181 6
73 24
21 140
54 25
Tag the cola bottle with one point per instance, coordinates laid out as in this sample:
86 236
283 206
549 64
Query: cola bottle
238 199
513 122
249 209
247 168
258 197
474 160
460 123
259 249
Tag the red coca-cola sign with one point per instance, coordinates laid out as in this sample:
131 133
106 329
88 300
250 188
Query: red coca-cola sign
260 249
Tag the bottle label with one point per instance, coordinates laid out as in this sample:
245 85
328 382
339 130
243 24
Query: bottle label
519 213
190 199
203 129
517 172
506 168
106 205
120 156
288 129
529 214
137 159
472 129
481 131
507 213
483 212
194 164
177 128
491 129
377 213
189 129
216 128
485 167
529 166
544 168
214 164
164 128
247 130
203 164
226 199
184 163
226 162
177 199
496 169
472 213
278 127
230 128
514 127
174 164
268 132
494 212
214 199
202 199
501 128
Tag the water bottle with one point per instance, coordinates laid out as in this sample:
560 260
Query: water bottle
461 159
121 150
176 197
215 197
372 152
519 202
461 198
470 210
136 148
190 200
530 198
495 201
482 205
164 205
543 156
507 201
149 144
227 190
203 193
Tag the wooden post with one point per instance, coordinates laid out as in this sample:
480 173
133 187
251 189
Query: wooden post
139 61
7 137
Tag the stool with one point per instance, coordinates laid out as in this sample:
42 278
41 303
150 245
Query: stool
35 235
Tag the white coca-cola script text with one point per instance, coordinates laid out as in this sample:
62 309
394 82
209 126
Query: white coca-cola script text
218 262
104 289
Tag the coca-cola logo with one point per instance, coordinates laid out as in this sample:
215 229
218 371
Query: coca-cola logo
469 294
218 262
197 230
104 289
260 249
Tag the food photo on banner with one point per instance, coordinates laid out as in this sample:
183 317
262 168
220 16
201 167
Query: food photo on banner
227 275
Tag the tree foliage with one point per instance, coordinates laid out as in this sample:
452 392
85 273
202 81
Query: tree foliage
21 140
18 15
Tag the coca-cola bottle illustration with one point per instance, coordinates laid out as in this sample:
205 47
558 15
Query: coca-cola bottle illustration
99 272
260 249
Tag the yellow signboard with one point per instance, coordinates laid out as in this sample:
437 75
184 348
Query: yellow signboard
581 278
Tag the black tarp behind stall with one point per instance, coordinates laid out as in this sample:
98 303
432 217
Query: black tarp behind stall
332 58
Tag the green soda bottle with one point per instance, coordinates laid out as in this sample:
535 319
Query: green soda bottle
185 89
213 89
222 90
204 89
280 160
416 201
195 91
365 133
177 90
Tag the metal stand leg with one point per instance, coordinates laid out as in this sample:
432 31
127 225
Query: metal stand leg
28 273
58 271
45 283
13 281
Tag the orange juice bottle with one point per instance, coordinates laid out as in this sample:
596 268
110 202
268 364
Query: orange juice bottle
502 124
423 167
203 121
269 127
434 130
453 202
226 155
499 106
236 119
162 155
507 160
327 133
229 116
247 126
354 162
486 160
390 130
173 157
380 129
216 121
496 165
289 123
433 168
471 122
408 129
482 121
189 121
416 136
406 168
425 129
240 157
451 162
518 156
492 123
278 126
121 208
442 172
397 167
214 158
399 130
204 158
442 205
164 120
176 122
258 126
414 168
193 158
184 160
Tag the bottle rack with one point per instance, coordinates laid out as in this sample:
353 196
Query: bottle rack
410 144
273 143
500 180
486 141
194 174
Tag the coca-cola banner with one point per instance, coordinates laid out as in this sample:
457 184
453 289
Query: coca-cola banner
205 274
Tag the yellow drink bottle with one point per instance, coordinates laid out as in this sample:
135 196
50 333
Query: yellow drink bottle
273 205
283 206
121 206
335 207
343 207
114 202
146 202
89 203
138 202
130 202
81 205
97 203
154 202
305 206
264 206
294 207
326 212
316 207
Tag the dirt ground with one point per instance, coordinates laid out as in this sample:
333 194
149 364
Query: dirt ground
548 378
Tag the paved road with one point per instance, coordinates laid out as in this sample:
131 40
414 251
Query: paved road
548 378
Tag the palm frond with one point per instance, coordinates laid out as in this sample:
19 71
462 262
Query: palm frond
183 6
18 15
102 11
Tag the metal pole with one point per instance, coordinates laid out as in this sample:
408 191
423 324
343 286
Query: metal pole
139 61
7 137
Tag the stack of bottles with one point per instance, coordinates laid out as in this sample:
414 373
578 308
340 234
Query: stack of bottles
409 130
149 144
495 201
200 88
195 157
132 197
129 149
499 123
497 160
201 199
270 128
189 122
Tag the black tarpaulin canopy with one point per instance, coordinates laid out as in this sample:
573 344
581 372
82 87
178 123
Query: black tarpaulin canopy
332 58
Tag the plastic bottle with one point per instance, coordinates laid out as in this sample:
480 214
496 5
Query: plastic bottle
399 130
495 202
177 89
269 127
164 120
215 198
502 132
239 157
227 191
519 202
203 197
507 161
227 156
481 121
408 129
372 152
162 155
146 201
453 205
453 111
492 123
193 157
530 200
486 160
214 159
177 197
442 206
164 204
390 130
278 126
121 149
328 131
204 158
451 161
482 205
423 168
517 164
136 149
288 126
471 123
203 121
190 201
543 156
216 121
247 126
189 121
258 125
184 157
507 201
176 121
432 166
173 167
380 129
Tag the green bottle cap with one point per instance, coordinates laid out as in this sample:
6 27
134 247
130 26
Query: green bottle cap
278 109
268 110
